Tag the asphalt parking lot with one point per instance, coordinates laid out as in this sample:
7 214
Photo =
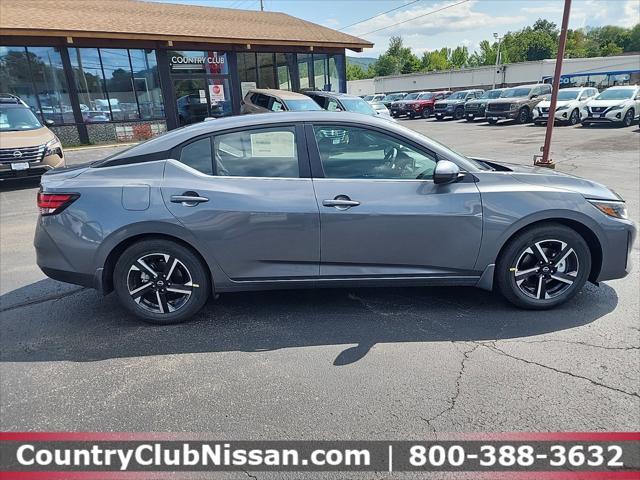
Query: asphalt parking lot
370 364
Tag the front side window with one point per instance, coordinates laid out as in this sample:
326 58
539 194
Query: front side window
264 152
198 155
354 152
302 105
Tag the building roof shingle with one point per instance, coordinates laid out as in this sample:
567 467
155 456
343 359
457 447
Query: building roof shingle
165 21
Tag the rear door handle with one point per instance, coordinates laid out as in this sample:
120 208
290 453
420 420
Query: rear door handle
188 199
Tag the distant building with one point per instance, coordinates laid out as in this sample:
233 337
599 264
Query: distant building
599 72
119 70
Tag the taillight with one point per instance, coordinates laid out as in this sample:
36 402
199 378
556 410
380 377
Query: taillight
53 203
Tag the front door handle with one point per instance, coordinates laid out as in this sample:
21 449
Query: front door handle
341 202
188 199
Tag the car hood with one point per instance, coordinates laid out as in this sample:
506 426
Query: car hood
450 102
607 103
509 100
545 177
482 100
561 103
26 138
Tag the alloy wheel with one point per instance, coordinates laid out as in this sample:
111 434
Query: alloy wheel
546 269
574 118
628 118
160 283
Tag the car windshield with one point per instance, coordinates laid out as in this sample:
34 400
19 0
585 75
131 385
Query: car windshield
302 105
616 94
17 118
457 96
412 96
357 105
568 94
492 94
426 96
393 96
368 98
515 92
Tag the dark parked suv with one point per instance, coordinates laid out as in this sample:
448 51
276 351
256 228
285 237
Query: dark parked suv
517 103
392 97
453 105
476 108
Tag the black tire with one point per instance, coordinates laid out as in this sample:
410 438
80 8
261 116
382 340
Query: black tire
426 113
412 115
458 113
492 121
574 118
515 254
627 121
439 117
125 273
523 115
586 124
471 118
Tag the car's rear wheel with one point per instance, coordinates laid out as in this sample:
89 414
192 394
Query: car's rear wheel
161 281
543 267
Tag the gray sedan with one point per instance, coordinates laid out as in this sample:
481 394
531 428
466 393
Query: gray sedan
321 199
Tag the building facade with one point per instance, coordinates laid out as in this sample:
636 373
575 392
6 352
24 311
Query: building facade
599 72
126 70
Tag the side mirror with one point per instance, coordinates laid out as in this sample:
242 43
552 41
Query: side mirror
446 172
49 122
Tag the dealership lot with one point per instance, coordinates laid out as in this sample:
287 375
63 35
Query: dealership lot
333 364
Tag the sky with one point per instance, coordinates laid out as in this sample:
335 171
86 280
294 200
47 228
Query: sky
467 24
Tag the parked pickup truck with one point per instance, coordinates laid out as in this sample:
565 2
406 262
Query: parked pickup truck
476 108
517 103
453 106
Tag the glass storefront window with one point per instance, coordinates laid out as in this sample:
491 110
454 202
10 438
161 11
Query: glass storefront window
266 72
51 84
247 72
15 75
146 82
87 72
118 80
304 70
284 77
334 76
320 71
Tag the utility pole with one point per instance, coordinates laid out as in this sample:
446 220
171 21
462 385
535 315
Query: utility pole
545 161
495 71
262 5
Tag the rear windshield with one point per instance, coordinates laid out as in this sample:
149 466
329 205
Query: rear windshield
357 105
13 119
302 105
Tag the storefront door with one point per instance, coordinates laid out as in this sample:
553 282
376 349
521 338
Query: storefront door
192 102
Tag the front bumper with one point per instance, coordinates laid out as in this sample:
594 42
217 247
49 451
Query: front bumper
560 116
613 116
617 249
508 114
475 112
10 171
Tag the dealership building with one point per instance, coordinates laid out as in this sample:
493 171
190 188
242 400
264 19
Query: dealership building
125 70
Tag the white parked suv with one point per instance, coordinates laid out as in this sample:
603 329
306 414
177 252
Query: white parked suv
571 107
619 105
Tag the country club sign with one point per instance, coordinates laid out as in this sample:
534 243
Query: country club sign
180 62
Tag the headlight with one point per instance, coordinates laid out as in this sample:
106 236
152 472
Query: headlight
616 107
562 107
482 105
53 147
611 208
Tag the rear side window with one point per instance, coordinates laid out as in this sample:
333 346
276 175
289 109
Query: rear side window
264 152
198 155
260 100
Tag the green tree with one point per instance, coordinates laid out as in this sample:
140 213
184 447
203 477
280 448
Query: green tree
634 40
460 57
386 65
355 72
436 60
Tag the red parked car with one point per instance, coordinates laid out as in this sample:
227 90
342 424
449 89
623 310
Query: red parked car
423 106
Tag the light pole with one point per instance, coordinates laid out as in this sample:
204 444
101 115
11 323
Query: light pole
495 71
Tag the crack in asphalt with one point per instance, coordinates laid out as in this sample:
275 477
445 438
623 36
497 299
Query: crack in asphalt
44 299
492 346
570 342
457 390
249 475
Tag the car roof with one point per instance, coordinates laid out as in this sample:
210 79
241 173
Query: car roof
284 94
324 93
622 87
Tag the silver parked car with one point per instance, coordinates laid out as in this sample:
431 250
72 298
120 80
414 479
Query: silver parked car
320 199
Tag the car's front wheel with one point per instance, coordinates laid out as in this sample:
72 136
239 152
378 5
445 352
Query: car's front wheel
523 115
426 113
161 281
458 114
628 118
543 266
574 119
